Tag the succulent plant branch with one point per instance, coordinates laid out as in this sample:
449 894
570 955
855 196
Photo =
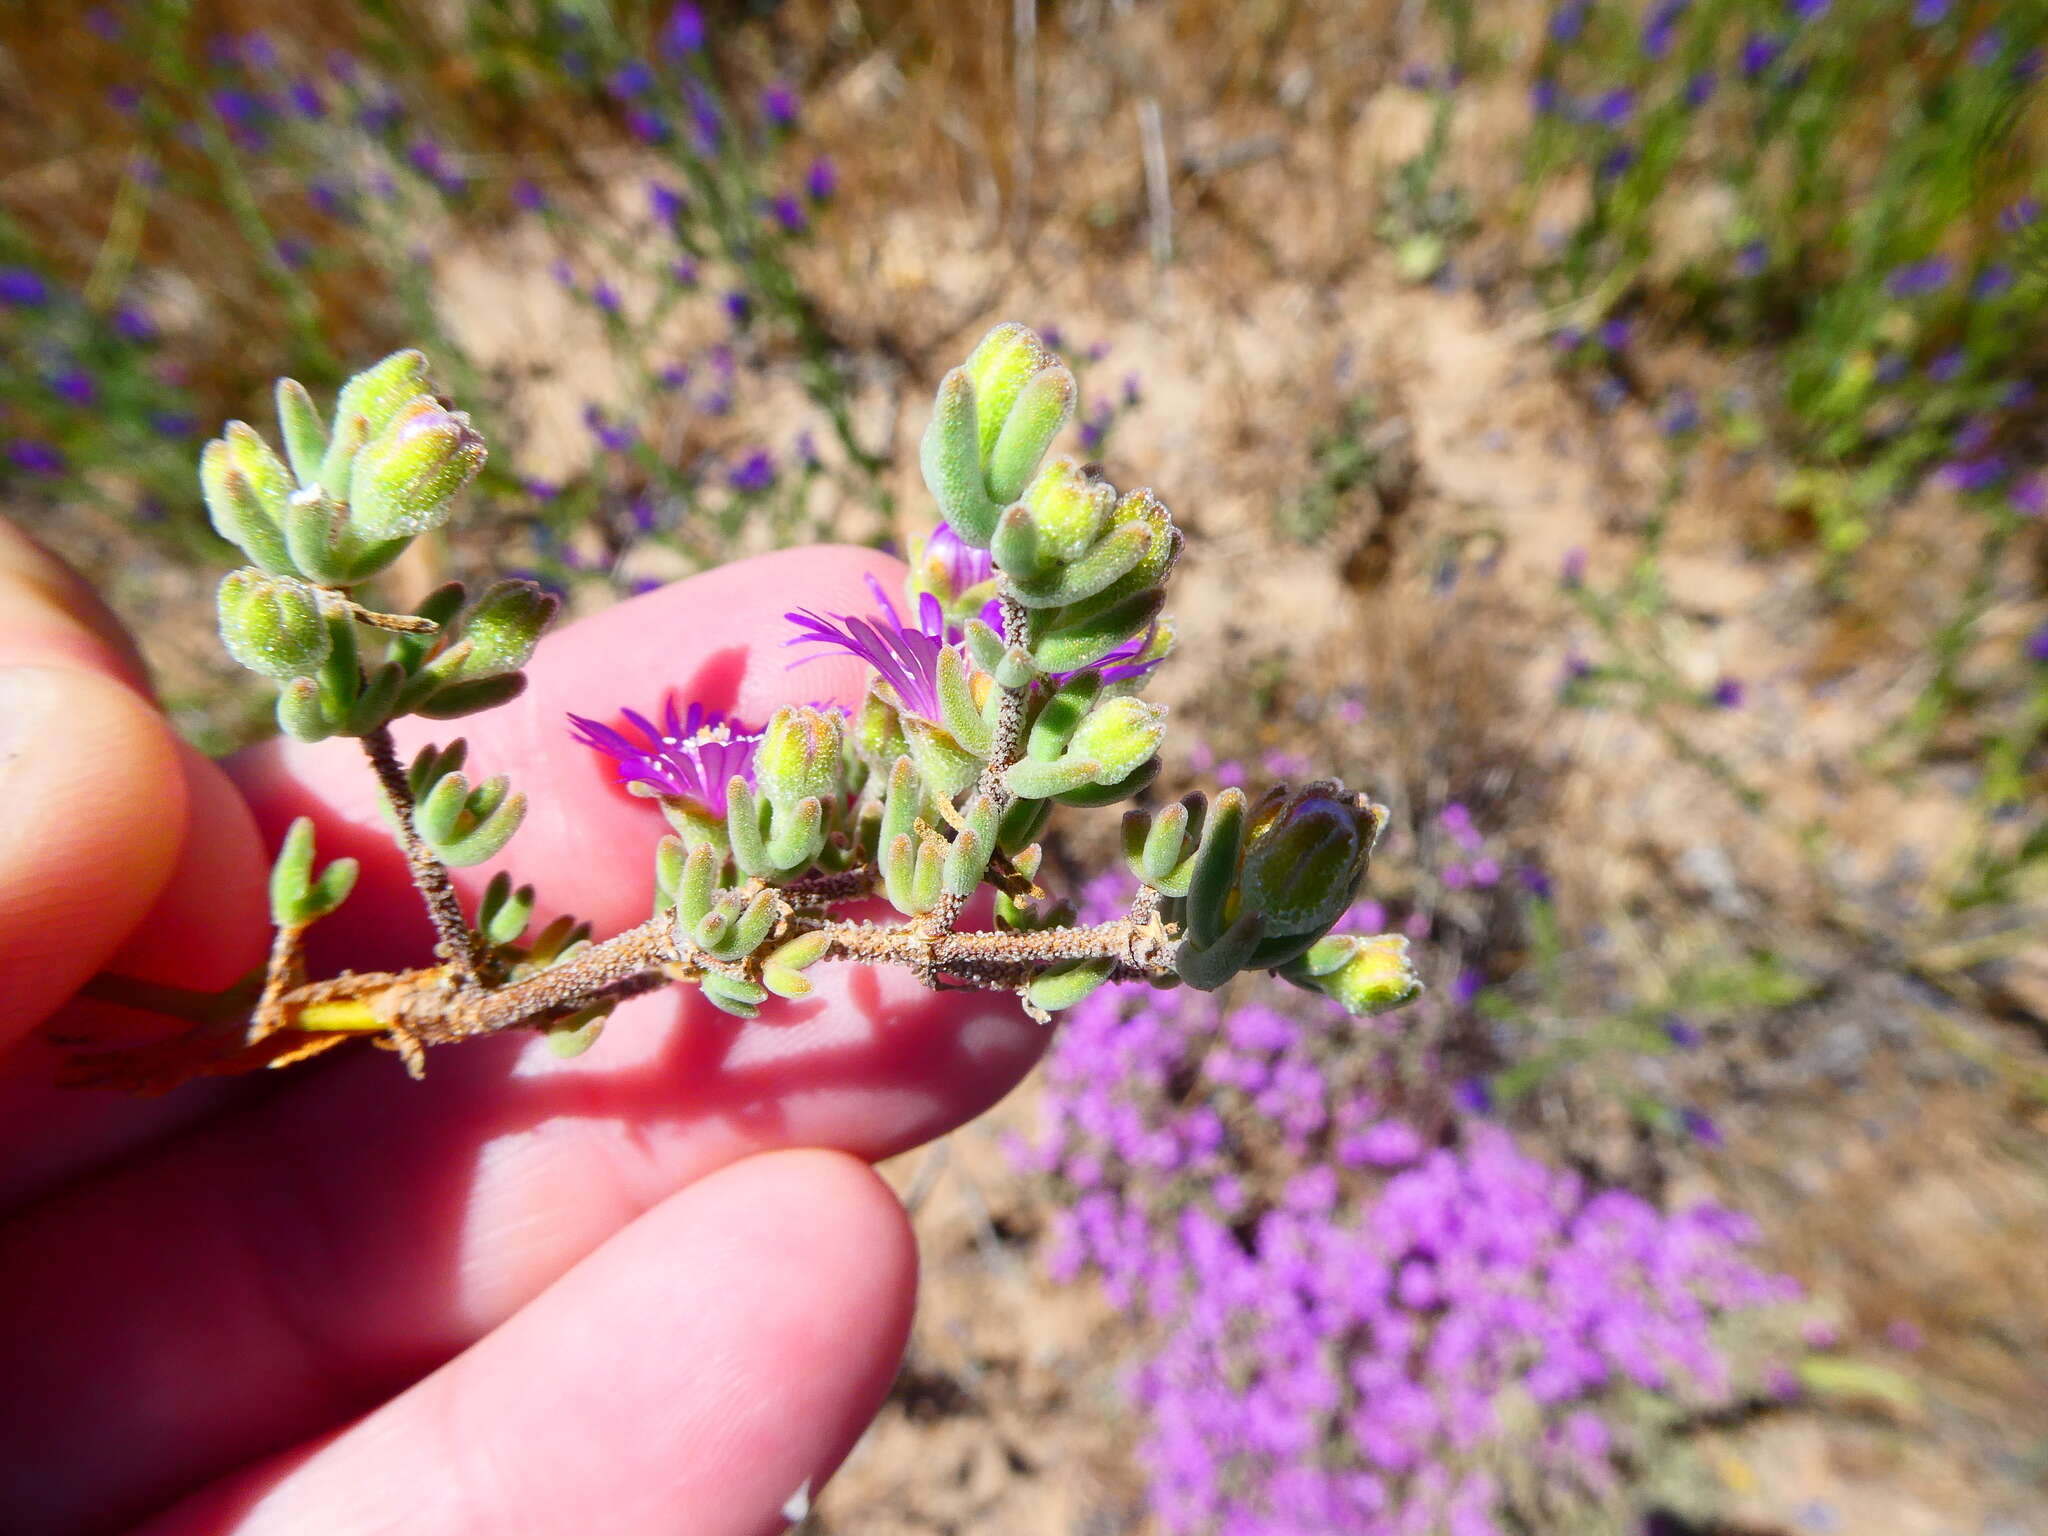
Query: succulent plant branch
455 942
1013 690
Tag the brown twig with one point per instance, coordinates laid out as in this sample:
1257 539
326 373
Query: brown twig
456 943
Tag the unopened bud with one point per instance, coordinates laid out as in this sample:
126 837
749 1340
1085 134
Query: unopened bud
798 758
405 478
1068 508
1119 734
503 627
1305 853
1376 976
272 624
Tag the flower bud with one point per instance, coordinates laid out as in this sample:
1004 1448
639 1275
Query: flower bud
379 392
1023 395
405 478
504 625
238 512
1068 508
1118 735
798 758
1305 853
1373 975
272 624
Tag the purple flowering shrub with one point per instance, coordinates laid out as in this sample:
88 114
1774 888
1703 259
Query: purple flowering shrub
1365 1312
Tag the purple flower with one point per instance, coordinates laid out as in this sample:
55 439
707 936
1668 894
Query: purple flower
1544 96
33 457
2030 496
904 656
1613 108
665 202
673 375
1727 693
948 562
1985 51
615 437
694 756
2019 215
1614 334
1992 281
1807 10
1534 881
788 213
1699 88
172 424
125 98
1615 161
821 181
1568 21
2037 646
76 386
1930 13
326 197
631 79
1700 1126
605 296
738 307
778 105
294 252
1917 278
527 195
1974 475
685 30
1759 51
683 273
753 474
1947 366
304 96
709 126
1472 1095
132 324
647 127
1660 27
1681 1034
1681 414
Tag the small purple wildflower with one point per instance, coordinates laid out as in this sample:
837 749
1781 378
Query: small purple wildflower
1918 278
648 127
1614 108
665 202
1931 13
1807 10
1699 1125
778 105
788 213
1975 475
1699 88
1947 366
605 296
132 324
1615 162
1728 693
1660 27
753 474
615 437
738 307
694 756
1681 1034
2037 646
683 273
2030 496
2019 215
1986 50
35 457
1544 97
75 386
528 196
684 32
172 424
1759 51
1568 21
1992 281
632 79
821 180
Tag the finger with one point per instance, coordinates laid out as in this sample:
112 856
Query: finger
351 1233
120 848
684 1380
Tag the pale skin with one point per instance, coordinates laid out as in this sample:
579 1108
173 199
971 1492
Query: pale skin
654 1289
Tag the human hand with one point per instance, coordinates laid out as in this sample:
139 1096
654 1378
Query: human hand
526 1294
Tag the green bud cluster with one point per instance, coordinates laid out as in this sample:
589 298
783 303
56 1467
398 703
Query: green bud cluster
331 513
1366 975
463 824
993 421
